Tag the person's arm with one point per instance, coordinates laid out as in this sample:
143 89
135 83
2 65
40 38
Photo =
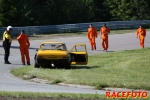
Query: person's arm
144 32
100 32
4 35
28 43
18 38
137 33
7 40
108 30
88 34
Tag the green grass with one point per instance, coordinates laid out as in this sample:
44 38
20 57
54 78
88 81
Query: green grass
49 95
123 69
56 96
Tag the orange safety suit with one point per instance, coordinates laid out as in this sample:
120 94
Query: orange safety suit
141 32
104 37
24 45
92 34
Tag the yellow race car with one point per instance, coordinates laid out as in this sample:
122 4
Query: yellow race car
55 54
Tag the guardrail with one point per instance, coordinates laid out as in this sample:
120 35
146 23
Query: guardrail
79 27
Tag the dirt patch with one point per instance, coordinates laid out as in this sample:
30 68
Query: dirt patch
42 81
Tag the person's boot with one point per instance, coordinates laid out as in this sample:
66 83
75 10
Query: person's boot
28 63
7 62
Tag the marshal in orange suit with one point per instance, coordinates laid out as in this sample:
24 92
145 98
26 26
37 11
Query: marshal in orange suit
141 32
92 34
24 45
104 31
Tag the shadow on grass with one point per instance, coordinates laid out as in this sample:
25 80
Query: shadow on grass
73 67
105 51
83 67
109 51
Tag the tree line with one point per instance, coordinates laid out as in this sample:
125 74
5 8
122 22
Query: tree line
53 12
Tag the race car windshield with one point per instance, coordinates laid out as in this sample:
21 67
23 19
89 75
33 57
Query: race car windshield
53 47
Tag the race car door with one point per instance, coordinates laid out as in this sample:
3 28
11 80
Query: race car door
79 54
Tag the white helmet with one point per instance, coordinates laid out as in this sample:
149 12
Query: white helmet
9 27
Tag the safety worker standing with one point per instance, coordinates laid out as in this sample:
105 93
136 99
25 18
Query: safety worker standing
7 43
104 31
141 32
92 34
24 45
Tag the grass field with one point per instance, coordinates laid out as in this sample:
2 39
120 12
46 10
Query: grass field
57 96
48 96
123 69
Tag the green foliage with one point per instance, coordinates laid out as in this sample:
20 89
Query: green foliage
45 12
128 9
48 12
146 26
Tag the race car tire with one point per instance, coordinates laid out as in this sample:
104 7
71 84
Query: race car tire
68 66
36 65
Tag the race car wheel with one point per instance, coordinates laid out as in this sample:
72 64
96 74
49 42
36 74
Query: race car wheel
36 65
68 66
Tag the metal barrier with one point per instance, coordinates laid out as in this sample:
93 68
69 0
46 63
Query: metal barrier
79 27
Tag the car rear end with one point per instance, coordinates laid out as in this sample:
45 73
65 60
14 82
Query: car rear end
52 58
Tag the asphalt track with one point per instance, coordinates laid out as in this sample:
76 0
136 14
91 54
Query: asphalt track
10 83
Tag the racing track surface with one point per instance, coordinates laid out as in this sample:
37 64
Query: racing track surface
10 83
